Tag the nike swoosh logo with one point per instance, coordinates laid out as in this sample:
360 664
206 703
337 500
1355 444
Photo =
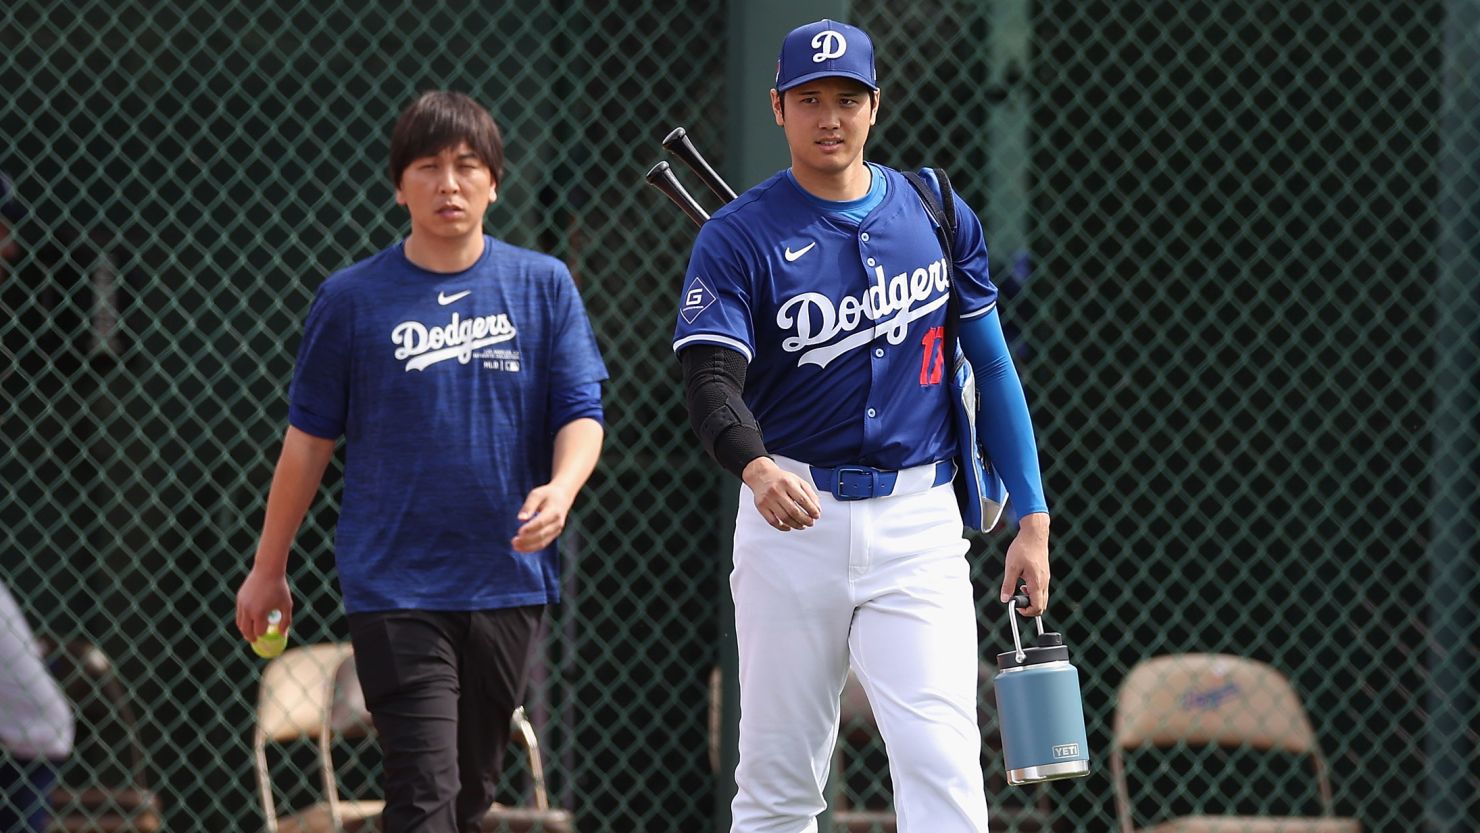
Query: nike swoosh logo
791 256
444 299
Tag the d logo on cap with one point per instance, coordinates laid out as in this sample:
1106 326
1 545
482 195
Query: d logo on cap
825 49
829 45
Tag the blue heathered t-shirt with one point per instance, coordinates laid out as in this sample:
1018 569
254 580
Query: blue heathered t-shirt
442 385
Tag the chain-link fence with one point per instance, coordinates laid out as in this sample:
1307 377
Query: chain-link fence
1237 247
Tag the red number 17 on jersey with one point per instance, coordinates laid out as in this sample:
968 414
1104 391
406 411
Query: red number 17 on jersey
932 360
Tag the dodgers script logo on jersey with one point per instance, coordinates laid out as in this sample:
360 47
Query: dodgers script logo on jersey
820 329
422 345
831 330
841 320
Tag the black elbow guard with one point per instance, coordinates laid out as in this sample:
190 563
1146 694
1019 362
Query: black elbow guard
713 380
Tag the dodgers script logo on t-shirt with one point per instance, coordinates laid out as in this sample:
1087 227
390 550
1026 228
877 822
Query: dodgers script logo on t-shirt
422 346
439 461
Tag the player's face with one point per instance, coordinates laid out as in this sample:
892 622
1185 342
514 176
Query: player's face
447 194
826 123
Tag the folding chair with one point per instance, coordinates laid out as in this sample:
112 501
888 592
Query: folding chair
115 797
350 718
294 703
314 692
1216 701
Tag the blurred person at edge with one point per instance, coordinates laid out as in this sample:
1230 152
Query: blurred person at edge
36 724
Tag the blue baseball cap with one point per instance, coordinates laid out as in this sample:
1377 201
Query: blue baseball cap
822 49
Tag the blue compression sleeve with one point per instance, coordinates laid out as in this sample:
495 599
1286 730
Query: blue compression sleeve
1006 429
579 402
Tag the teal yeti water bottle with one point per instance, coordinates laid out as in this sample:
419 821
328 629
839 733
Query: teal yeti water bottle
1039 708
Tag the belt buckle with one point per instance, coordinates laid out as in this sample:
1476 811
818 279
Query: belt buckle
854 483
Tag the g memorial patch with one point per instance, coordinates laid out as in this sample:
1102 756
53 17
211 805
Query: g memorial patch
696 299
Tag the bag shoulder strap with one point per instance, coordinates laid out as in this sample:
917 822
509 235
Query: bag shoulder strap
948 202
942 209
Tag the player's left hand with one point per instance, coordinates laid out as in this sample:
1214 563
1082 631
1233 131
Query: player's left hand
544 514
1027 558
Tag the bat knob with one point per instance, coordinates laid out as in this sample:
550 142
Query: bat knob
674 136
656 172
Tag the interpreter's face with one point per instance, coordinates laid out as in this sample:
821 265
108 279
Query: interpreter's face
826 123
448 193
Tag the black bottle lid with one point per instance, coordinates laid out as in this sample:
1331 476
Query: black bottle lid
1050 648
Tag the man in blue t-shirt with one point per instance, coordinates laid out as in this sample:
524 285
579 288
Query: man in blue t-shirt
465 379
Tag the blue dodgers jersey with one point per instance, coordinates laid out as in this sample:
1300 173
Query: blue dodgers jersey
441 385
842 324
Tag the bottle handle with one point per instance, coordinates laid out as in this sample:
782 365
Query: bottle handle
1020 599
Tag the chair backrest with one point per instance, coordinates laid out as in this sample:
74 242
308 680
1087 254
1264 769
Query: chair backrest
296 689
88 680
116 792
1209 700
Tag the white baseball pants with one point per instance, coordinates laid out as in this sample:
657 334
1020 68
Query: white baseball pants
882 584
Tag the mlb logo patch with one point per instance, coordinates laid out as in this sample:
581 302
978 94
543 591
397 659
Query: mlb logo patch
696 299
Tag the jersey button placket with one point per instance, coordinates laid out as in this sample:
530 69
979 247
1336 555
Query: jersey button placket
878 366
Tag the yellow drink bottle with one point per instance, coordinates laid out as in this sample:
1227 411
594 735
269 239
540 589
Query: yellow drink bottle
271 643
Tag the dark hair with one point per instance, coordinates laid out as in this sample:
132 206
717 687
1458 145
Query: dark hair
438 120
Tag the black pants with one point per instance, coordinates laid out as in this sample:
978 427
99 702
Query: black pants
442 687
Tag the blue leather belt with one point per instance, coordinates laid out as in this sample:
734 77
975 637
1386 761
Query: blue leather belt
863 482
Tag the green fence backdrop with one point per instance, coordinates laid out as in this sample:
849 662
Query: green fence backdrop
1237 243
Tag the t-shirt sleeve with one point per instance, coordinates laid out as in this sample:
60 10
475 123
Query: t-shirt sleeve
978 293
714 307
570 404
318 399
577 357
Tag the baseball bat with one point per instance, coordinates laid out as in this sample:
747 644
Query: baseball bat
661 177
679 144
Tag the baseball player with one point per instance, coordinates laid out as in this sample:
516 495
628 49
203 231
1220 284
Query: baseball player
464 376
810 334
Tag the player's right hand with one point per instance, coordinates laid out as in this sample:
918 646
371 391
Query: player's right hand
1027 560
260 594
786 501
